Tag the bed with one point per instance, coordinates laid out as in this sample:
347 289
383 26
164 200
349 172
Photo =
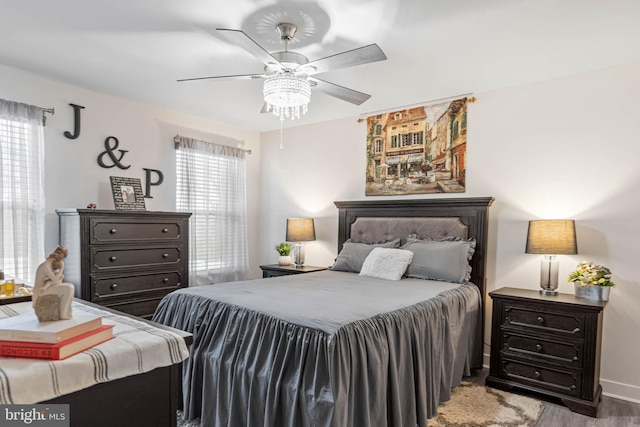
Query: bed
337 348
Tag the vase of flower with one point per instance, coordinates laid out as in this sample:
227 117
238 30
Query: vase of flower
592 281
284 249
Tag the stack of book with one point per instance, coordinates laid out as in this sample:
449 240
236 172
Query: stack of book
24 336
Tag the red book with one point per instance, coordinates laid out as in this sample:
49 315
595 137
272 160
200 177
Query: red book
59 351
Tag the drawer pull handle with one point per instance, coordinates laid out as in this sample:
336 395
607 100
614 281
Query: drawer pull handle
540 319
537 374
165 255
113 231
165 280
538 347
112 259
165 230
114 286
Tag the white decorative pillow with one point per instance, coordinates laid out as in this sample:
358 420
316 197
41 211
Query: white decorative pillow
386 263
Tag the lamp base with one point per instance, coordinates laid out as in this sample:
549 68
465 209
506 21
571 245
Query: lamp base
298 255
549 275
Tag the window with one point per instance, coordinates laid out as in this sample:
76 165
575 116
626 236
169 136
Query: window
211 185
416 138
378 129
378 148
21 189
394 141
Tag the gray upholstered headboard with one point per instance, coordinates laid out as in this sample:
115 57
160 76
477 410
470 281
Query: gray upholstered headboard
370 230
386 219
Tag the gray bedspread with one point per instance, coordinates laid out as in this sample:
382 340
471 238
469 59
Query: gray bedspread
323 349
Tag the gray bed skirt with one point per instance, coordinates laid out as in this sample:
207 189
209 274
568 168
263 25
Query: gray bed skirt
251 367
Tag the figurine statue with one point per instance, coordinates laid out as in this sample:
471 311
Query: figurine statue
51 297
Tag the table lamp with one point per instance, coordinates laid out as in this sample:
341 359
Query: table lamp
551 237
300 230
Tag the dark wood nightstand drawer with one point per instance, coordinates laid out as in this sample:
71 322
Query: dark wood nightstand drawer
543 349
561 381
116 286
105 231
543 320
109 258
274 270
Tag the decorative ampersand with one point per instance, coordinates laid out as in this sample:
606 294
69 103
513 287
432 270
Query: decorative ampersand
109 151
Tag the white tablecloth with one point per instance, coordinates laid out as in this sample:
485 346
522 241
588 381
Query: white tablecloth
137 347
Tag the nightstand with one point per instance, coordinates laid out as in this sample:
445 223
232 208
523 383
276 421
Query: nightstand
274 270
548 345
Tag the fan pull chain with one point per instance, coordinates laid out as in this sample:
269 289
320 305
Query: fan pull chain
281 122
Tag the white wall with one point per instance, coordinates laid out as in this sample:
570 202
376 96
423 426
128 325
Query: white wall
73 176
567 148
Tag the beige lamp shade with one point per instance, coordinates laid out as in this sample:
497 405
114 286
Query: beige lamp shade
300 230
552 236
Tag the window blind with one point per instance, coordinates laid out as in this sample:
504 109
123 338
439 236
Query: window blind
21 189
211 184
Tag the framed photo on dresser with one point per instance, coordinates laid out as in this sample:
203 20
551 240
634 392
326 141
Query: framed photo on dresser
127 193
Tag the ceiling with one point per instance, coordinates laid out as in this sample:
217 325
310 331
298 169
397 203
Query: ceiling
435 49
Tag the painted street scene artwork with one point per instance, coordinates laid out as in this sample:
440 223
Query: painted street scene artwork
419 150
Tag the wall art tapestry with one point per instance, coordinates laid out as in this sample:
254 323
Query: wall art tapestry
418 150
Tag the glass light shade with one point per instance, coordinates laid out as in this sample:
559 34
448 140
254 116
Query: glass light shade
287 95
551 237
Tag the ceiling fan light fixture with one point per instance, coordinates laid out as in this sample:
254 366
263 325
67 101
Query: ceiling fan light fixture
287 95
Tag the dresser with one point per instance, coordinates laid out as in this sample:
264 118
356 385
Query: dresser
125 260
548 345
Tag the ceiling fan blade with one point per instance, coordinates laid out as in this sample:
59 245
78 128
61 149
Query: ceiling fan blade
233 77
361 55
346 94
239 38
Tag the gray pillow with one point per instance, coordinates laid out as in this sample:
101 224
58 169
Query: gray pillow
446 260
352 255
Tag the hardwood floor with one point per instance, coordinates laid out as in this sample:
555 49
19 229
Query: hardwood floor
613 412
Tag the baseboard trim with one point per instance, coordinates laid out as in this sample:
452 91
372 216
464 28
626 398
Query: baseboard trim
617 390
613 389
485 360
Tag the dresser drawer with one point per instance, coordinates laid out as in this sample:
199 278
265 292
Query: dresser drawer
567 382
106 259
532 317
144 309
114 286
569 353
110 231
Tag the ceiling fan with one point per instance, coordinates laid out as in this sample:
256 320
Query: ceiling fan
289 75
